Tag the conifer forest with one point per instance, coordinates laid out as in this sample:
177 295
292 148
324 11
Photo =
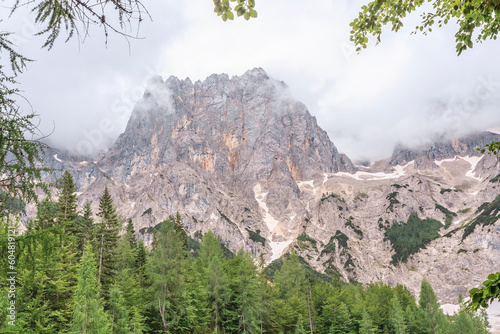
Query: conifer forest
79 271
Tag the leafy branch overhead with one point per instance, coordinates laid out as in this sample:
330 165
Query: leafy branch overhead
474 18
244 8
488 292
491 148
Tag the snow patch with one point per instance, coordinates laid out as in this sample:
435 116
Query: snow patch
277 248
55 157
473 161
114 181
440 162
450 309
367 176
494 316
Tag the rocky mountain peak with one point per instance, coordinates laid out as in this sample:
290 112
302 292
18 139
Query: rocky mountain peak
244 125
443 148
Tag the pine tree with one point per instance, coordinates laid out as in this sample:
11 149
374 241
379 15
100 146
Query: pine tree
67 206
106 239
88 315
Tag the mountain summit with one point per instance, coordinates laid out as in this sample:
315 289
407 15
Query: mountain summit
240 129
241 157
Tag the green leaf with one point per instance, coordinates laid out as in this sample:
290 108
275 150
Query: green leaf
247 16
230 15
253 13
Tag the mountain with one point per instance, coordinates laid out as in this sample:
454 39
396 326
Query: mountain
241 157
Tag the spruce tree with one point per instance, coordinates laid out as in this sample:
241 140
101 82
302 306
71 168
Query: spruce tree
140 262
119 315
291 278
106 239
46 214
88 315
245 299
430 311
168 269
397 317
67 206
130 234
366 324
85 227
137 322
218 292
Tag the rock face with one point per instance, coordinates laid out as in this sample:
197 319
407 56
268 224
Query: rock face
442 148
241 157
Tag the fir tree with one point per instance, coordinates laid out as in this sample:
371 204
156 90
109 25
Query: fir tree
88 315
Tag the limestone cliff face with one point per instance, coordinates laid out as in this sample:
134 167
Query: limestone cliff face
201 149
241 157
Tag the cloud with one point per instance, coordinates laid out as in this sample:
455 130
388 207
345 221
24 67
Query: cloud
406 89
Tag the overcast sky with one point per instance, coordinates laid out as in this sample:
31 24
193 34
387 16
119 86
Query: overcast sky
406 89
